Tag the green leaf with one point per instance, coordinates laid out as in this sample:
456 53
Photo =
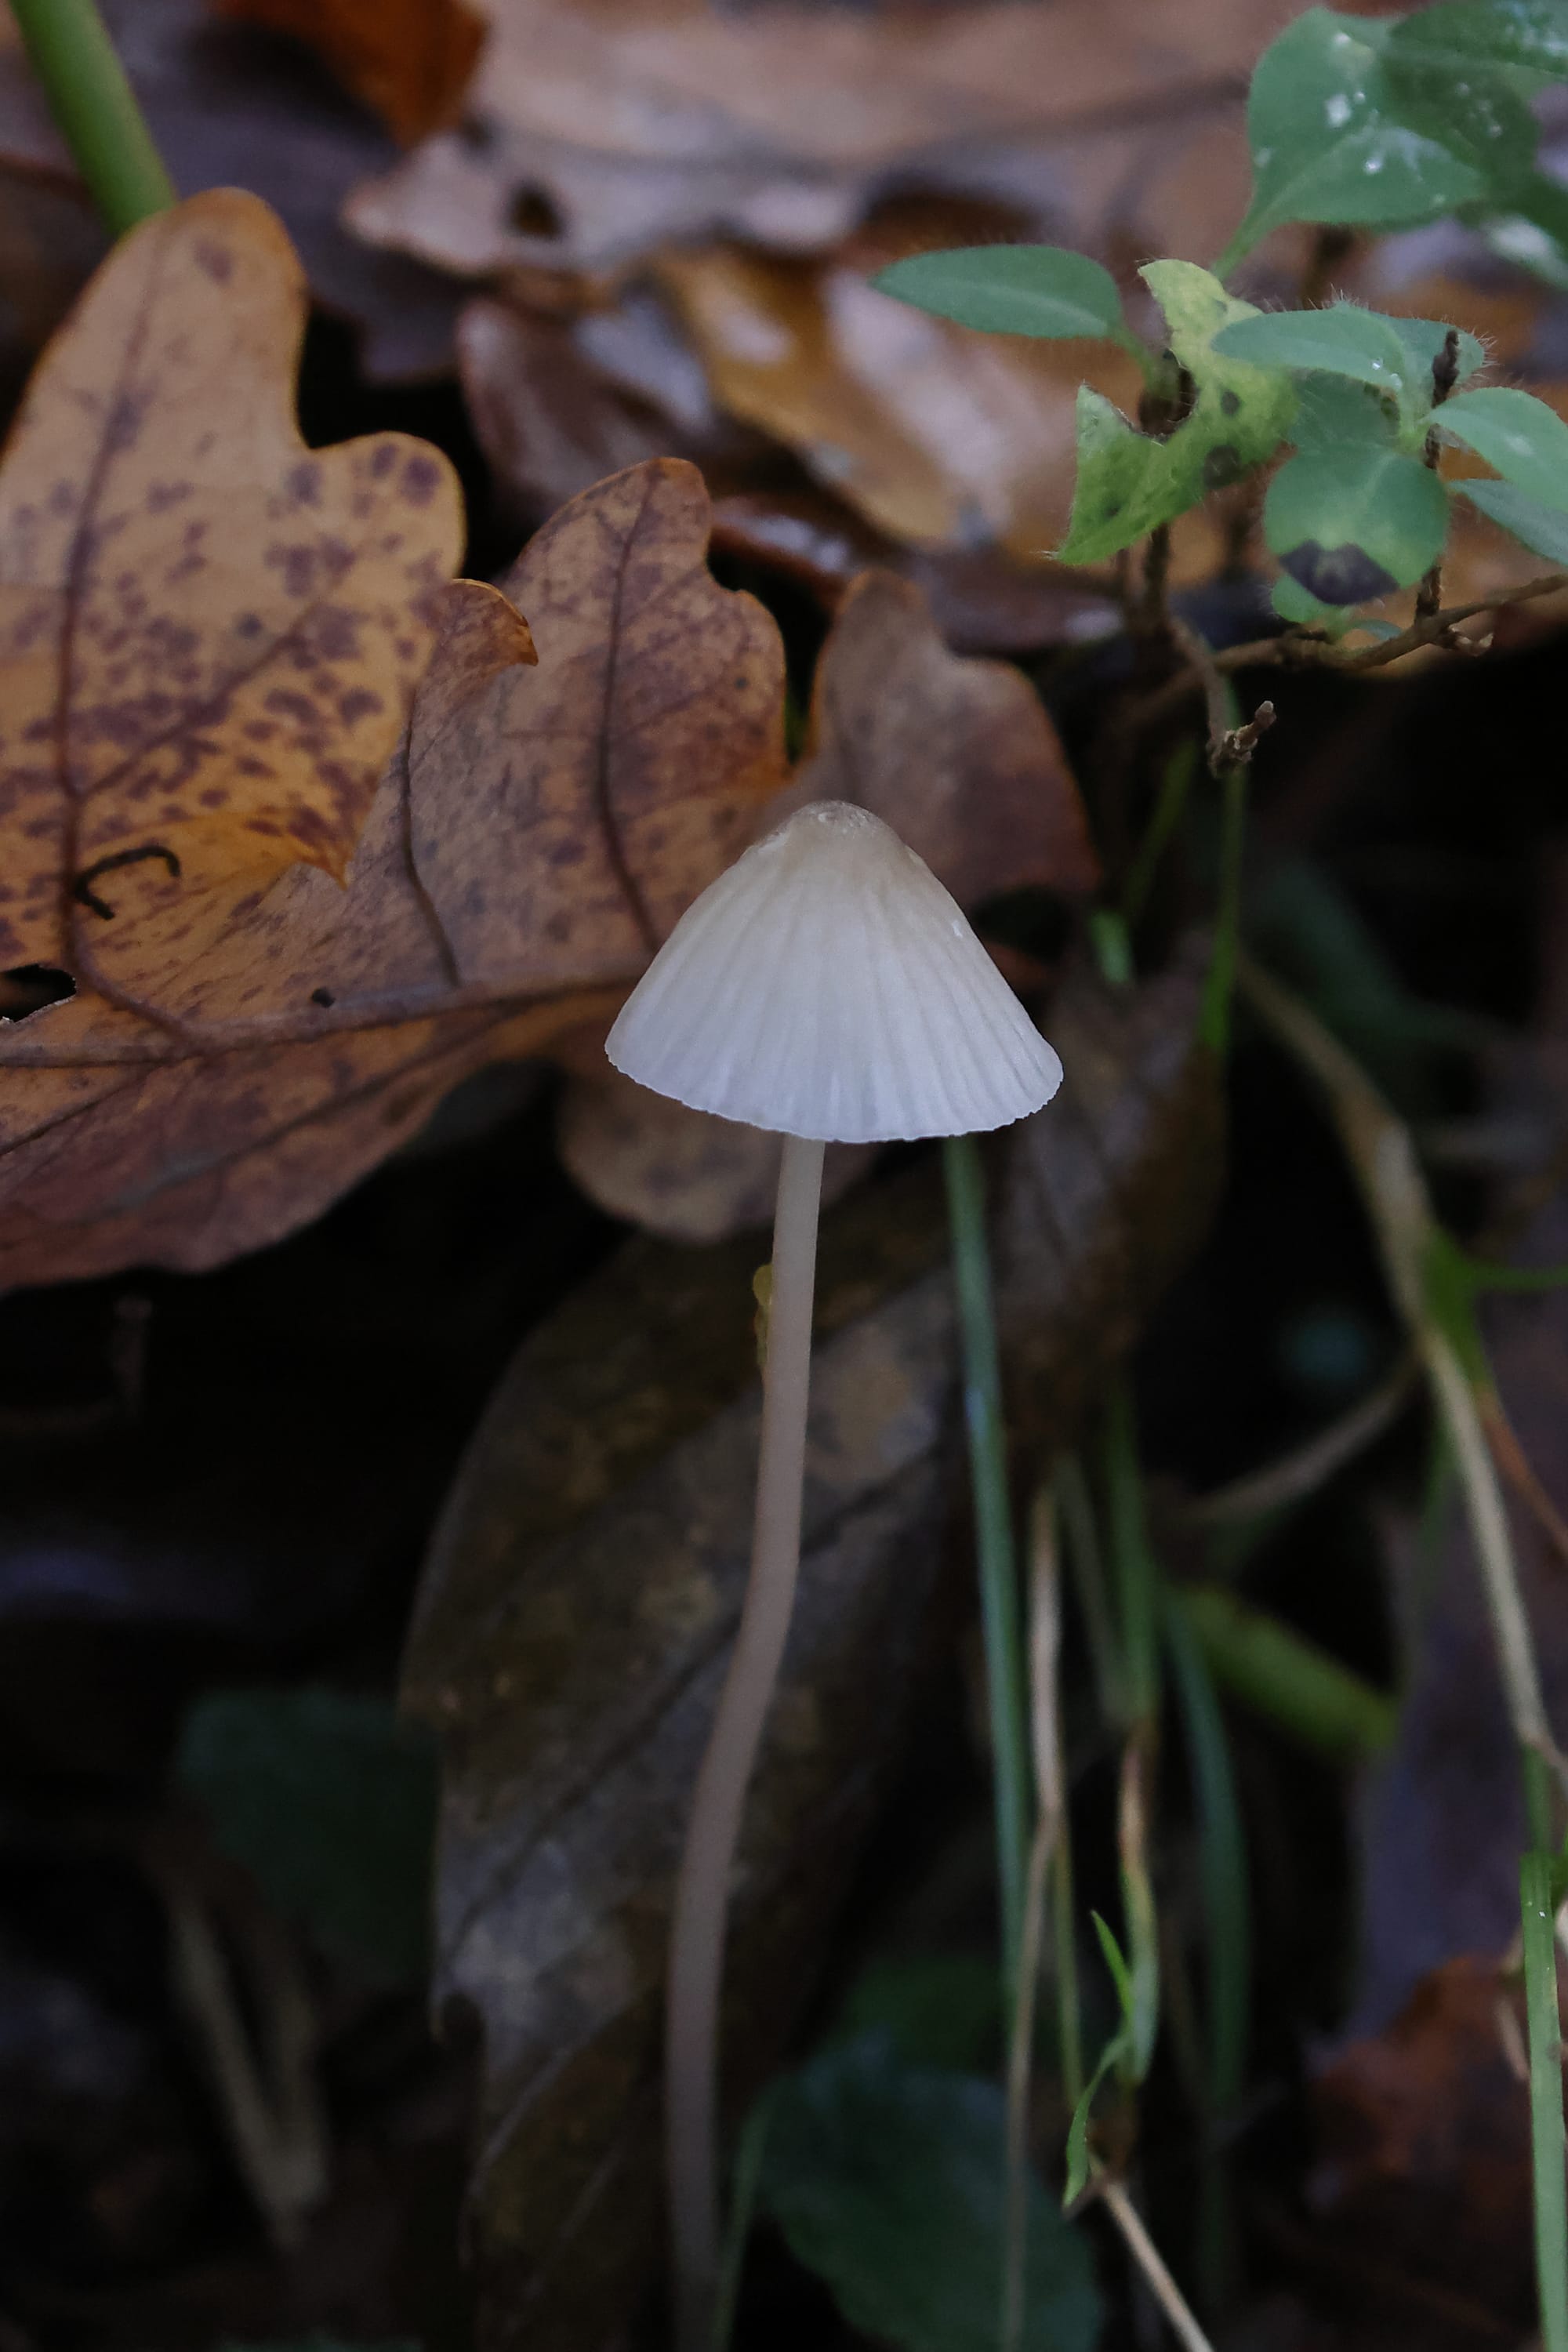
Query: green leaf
1010 290
1526 38
1333 411
1342 341
887 2180
1543 529
1122 485
1293 603
1128 482
1332 139
1524 439
1351 524
1113 2054
939 2009
330 1803
1120 1969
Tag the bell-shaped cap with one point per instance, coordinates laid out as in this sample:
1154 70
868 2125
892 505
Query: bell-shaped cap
828 986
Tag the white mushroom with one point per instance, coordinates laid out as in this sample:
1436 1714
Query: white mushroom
826 987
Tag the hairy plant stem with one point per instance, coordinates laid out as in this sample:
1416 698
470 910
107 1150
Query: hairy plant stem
95 109
702 1890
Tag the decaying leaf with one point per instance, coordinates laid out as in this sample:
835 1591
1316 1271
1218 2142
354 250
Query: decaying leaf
559 403
584 1586
532 840
677 1173
208 635
410 62
960 757
1422 2187
231 105
596 135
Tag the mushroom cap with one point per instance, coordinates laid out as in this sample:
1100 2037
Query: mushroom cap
828 986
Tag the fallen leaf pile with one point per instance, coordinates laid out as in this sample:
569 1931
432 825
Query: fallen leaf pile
290 923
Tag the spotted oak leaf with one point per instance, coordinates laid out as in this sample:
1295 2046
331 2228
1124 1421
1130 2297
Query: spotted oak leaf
535 834
209 634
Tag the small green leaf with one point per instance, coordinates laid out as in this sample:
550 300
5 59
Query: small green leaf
1122 486
1543 529
330 1803
887 2180
1331 141
1527 38
1524 439
1333 412
1343 340
1116 1961
1128 482
1293 603
1113 2054
1351 524
1010 290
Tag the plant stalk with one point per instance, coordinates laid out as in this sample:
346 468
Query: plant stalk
1000 1608
95 109
702 1889
1545 2098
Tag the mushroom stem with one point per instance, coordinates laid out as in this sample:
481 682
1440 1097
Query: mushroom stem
702 1890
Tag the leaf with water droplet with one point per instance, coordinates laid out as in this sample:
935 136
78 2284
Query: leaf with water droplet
1525 440
1348 525
1526 39
1338 135
1342 341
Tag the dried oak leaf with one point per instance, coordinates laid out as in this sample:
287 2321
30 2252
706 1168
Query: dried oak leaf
582 1592
960 757
409 59
208 632
534 837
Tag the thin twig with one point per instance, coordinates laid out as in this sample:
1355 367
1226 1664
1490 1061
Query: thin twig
1514 1463
1046 1742
271 2108
1309 1466
1291 648
1445 376
1146 2255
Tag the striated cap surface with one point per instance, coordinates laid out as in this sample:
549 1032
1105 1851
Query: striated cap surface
828 986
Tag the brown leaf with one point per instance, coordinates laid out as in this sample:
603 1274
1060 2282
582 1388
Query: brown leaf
557 403
539 833
583 1589
410 60
679 1173
942 439
958 755
208 634
609 133
961 758
230 106
1423 2184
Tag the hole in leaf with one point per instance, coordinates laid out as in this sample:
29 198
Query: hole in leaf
29 987
533 211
